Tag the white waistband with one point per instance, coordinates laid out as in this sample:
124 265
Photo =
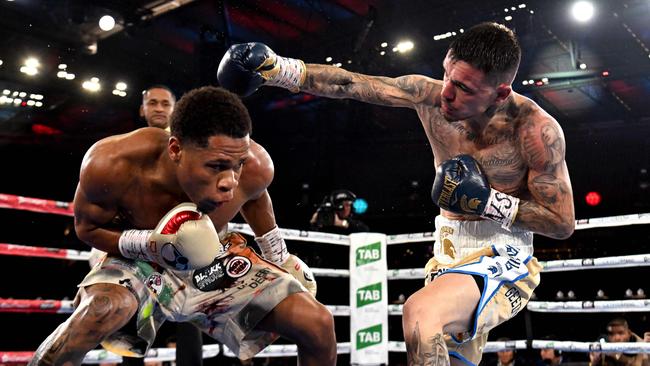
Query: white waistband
456 239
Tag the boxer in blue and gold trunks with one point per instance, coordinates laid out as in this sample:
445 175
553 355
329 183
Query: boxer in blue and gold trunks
180 271
501 176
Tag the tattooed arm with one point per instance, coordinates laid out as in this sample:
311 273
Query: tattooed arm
551 212
403 91
247 66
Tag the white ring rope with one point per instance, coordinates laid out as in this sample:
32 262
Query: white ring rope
568 346
637 260
154 354
300 235
329 272
621 220
611 306
289 350
319 237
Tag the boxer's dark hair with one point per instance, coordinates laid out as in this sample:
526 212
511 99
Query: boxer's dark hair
618 321
158 86
489 47
208 111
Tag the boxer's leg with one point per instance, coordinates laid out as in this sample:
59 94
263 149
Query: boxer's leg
102 310
308 323
446 305
189 345
132 361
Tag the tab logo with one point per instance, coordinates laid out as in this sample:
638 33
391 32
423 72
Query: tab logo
369 337
369 294
368 254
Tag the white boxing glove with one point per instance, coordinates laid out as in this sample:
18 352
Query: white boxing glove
184 239
300 271
274 250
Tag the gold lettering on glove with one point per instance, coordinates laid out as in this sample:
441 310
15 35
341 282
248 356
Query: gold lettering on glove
447 190
469 207
268 69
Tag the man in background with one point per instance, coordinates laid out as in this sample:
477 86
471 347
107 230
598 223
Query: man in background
335 214
157 106
618 330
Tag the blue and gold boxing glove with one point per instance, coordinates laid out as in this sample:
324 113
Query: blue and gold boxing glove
461 187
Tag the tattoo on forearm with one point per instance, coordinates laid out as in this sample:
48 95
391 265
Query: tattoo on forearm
338 83
547 188
429 352
540 219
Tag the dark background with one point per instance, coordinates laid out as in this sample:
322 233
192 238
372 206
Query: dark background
318 144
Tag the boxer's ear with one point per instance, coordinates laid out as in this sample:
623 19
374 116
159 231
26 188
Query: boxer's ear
174 149
503 92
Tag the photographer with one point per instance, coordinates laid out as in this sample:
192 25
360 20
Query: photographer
334 214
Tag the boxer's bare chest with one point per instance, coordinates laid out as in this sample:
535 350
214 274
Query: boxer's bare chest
144 205
496 147
142 209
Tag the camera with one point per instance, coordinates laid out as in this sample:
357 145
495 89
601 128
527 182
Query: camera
325 214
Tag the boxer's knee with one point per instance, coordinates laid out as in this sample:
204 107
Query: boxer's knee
107 306
419 308
323 326
317 334
414 306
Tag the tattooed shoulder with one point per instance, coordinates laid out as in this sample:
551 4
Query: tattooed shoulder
542 142
439 132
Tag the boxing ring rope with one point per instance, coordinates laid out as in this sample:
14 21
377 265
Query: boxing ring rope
168 354
605 306
568 346
36 205
610 306
30 251
639 260
103 356
66 208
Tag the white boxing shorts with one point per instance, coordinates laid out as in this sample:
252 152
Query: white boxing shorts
226 299
505 270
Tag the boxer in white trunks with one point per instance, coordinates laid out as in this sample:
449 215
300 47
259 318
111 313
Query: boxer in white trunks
501 176
180 271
